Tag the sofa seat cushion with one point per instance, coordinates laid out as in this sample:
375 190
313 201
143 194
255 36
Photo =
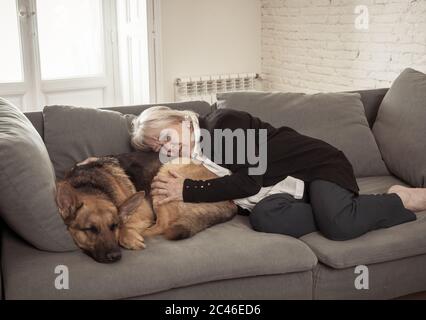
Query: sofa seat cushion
388 280
226 251
382 245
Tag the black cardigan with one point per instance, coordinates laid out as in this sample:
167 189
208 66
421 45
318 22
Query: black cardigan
289 153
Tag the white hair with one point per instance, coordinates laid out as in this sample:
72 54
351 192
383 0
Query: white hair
157 118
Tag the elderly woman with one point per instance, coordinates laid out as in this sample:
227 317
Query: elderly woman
308 185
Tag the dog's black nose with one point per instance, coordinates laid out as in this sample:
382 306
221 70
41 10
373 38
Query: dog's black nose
113 256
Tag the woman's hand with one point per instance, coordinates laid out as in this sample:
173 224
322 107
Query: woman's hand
169 187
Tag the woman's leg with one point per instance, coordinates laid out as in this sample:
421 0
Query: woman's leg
281 213
342 215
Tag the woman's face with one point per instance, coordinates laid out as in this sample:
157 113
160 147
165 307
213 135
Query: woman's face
174 140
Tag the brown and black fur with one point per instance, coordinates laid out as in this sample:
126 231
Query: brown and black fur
179 220
103 210
117 189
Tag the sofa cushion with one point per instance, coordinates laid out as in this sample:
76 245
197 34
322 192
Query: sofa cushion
200 107
225 251
382 245
400 128
27 184
73 134
289 286
387 280
337 118
371 99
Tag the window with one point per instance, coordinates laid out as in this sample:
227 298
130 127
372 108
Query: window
88 53
69 49
133 51
10 53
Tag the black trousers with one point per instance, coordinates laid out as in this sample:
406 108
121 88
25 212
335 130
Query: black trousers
337 213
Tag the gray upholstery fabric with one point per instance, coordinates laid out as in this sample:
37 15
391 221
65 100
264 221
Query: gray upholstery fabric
36 119
382 245
400 128
74 134
226 251
375 185
371 99
387 280
294 286
337 118
200 107
27 184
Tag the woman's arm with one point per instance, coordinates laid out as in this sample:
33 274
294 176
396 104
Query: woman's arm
174 187
235 186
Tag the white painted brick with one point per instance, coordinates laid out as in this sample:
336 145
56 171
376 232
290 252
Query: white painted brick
312 45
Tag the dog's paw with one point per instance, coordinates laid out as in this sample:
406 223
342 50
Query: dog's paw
132 240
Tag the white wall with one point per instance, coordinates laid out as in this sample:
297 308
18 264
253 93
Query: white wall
203 37
312 45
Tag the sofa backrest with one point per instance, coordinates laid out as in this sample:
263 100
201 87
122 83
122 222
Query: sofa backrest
372 100
200 107
336 118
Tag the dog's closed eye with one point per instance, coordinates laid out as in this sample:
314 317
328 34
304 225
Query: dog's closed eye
113 226
91 229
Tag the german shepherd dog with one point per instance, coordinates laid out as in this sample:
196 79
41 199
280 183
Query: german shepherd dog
106 203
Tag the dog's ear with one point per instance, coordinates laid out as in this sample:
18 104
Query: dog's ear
67 201
128 207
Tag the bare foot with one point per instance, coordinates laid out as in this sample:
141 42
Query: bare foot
414 199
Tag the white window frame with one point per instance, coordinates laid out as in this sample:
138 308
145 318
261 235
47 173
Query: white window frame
33 89
20 88
155 50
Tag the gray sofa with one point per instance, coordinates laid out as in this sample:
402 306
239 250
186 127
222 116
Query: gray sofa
231 261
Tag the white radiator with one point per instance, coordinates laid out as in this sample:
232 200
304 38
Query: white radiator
206 87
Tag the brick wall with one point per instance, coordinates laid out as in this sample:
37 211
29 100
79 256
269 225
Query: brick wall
313 45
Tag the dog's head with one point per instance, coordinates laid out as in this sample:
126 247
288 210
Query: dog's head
94 221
